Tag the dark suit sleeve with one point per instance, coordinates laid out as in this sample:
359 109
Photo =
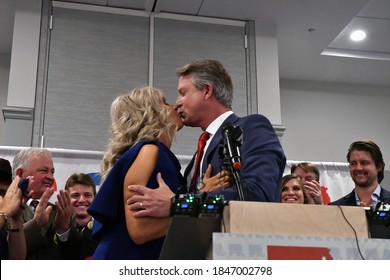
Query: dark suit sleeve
35 237
42 243
39 240
262 161
71 249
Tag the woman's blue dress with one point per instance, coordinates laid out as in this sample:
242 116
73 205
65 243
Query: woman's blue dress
108 211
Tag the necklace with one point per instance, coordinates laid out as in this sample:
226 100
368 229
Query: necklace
364 204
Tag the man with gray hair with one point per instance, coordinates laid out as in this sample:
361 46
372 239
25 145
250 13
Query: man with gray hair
44 222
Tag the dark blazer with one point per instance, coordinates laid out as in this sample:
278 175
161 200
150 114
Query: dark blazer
41 242
84 244
262 159
4 252
350 199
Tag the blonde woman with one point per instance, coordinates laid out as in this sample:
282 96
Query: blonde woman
143 127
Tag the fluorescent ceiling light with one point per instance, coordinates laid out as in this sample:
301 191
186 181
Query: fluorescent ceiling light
358 35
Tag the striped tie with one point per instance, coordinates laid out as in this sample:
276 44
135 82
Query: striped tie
34 204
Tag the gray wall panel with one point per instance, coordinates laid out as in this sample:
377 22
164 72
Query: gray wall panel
93 58
178 42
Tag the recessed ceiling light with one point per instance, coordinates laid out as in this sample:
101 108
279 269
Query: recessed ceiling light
358 35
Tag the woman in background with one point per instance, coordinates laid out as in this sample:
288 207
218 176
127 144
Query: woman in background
292 190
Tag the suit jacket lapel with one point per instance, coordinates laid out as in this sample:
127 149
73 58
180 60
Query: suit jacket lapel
189 168
213 146
27 214
385 195
351 198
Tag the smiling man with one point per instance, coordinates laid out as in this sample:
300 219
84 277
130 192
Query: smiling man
44 222
82 191
366 167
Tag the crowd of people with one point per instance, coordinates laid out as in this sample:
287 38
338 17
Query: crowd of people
129 216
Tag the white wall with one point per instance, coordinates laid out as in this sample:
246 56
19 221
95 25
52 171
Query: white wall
267 69
24 56
323 119
22 73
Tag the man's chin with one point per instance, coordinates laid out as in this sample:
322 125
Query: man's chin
362 184
179 127
188 124
82 215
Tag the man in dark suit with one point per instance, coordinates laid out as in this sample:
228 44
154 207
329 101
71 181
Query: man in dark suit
205 100
82 191
44 223
262 161
366 167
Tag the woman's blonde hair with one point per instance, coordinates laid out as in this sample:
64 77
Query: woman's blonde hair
141 114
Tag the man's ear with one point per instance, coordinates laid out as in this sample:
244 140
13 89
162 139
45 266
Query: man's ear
19 172
208 91
381 166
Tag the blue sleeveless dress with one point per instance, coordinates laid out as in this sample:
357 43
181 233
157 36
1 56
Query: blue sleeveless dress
107 207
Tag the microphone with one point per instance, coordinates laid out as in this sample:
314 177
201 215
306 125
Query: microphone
382 205
232 138
378 205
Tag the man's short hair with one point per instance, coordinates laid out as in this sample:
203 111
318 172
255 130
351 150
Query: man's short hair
23 158
82 179
209 71
5 171
307 167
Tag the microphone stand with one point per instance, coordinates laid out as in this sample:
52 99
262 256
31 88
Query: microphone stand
227 165
237 180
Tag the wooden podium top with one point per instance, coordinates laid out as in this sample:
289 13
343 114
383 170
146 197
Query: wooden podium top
294 219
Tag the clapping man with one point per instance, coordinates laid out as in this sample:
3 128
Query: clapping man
310 176
44 222
82 191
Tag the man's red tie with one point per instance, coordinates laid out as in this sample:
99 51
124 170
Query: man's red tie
201 144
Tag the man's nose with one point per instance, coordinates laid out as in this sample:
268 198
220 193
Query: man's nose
178 102
358 166
50 175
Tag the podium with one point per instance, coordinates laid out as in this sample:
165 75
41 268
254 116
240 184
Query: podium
256 230
295 219
263 230
189 238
